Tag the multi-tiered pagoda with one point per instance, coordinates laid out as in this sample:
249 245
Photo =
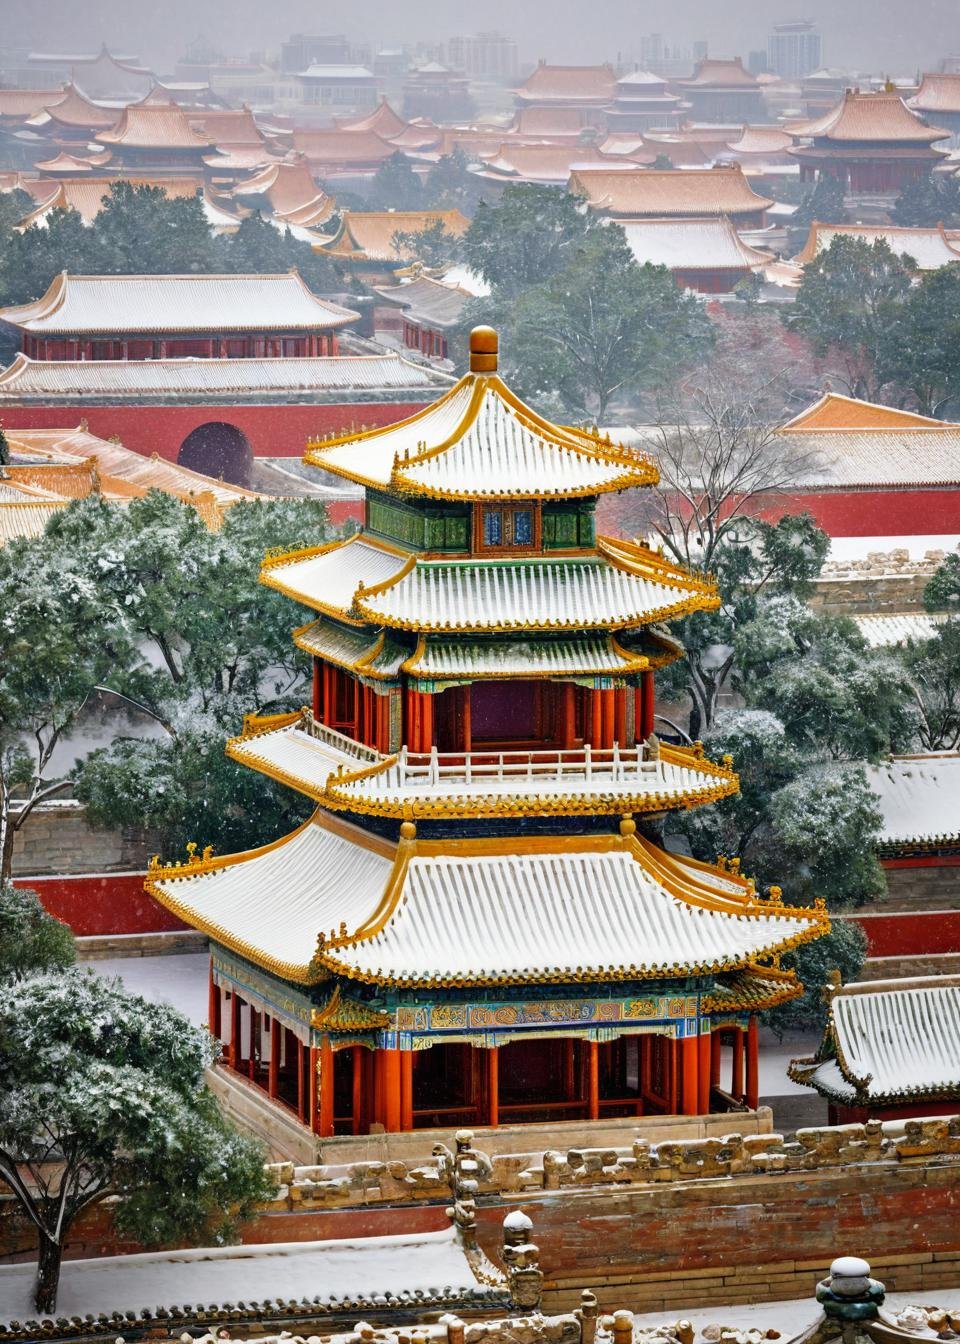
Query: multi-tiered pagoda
477 923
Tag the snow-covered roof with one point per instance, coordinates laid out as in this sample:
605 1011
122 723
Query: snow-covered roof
919 799
481 442
685 192
428 302
20 517
859 118
324 1272
851 442
889 1041
42 379
613 908
692 244
889 629
77 304
930 248
368 235
620 586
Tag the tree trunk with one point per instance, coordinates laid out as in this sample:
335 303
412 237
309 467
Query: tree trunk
48 1275
6 851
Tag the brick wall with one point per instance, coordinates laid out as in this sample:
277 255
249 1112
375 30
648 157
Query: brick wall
655 1226
56 838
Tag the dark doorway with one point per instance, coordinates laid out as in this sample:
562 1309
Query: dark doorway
218 450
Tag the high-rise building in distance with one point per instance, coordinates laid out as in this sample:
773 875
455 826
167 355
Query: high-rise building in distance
794 49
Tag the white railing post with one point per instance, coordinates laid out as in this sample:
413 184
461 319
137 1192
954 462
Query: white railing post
587 761
402 766
468 766
617 772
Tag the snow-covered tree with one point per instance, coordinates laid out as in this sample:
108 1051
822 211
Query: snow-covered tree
30 939
216 646
102 1095
59 636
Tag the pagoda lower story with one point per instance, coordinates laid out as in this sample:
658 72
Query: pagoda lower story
479 924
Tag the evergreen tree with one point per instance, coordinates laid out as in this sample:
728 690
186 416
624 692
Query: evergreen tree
102 1096
850 301
258 248
31 941
395 186
928 201
451 186
434 246
141 230
921 355
531 234
823 202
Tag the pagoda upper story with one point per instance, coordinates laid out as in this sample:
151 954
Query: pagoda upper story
478 650
481 869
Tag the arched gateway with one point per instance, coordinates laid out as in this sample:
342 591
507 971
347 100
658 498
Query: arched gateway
473 926
219 450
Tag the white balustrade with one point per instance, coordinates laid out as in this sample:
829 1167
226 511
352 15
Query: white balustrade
593 765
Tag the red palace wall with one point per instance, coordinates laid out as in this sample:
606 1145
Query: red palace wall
911 934
102 903
272 431
875 513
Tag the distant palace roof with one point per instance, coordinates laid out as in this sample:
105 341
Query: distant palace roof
288 189
76 304
19 104
226 126
714 74
368 235
930 248
75 110
319 379
569 84
892 629
618 908
761 140
691 244
888 1042
548 123
684 192
154 126
428 302
863 117
937 93
343 148
544 163
855 442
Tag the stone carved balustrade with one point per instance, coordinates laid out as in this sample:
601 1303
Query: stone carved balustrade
934 1140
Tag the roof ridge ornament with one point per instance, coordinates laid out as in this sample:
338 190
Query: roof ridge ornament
484 349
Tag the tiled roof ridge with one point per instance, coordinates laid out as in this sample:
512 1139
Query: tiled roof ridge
898 419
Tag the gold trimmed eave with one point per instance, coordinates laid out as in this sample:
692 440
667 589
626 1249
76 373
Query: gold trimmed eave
385 908
480 442
752 990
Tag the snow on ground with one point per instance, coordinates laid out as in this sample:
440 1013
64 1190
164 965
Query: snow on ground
858 548
178 980
428 1260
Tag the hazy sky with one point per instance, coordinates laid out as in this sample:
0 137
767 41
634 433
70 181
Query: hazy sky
899 35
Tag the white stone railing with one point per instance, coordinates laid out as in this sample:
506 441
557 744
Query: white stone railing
338 741
613 765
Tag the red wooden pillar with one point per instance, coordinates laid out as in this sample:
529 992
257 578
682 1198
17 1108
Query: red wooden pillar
388 1067
736 1081
426 722
620 717
411 734
569 1073
317 691
596 718
368 1099
647 706
323 1083
302 1090
406 1090
608 715
493 1086
254 1031
715 1046
672 1059
568 715
753 1065
213 1006
234 1059
273 1069
689 1076
704 1065
593 1080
